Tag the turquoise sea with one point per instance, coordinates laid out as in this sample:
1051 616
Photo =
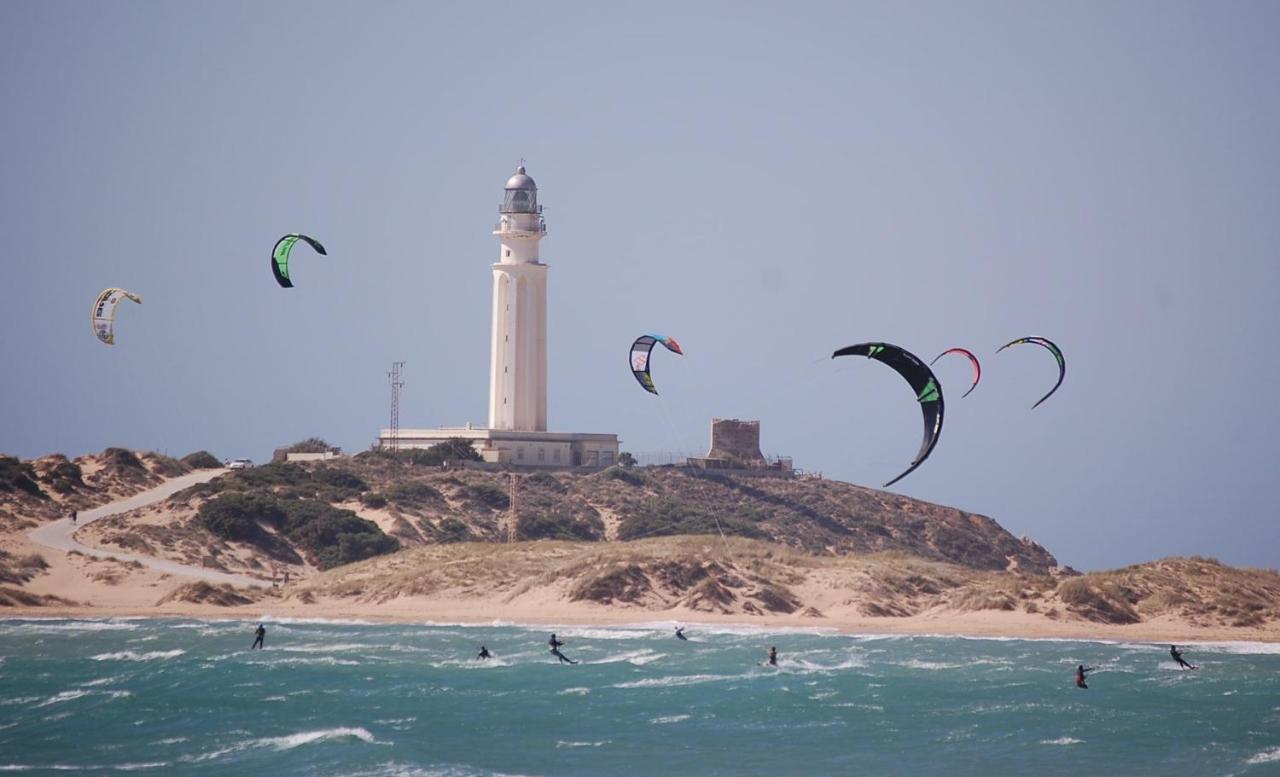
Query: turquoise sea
176 697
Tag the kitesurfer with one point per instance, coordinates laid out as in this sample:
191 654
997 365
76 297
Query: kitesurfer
483 654
555 650
680 633
1081 671
1177 656
259 635
773 655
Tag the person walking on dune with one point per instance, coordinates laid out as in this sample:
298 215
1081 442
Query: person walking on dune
483 654
260 634
1177 656
1081 671
555 650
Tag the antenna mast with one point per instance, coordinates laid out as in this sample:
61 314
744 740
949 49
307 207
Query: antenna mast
396 382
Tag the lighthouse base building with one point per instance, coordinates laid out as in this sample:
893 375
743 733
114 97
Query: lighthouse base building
517 431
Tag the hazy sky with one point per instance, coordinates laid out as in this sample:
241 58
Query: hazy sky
765 182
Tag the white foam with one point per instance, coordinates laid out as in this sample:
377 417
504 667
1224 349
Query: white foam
583 633
264 619
562 743
637 657
677 680
77 768
929 666
129 655
318 661
668 719
801 666
1238 648
469 663
574 691
1267 756
289 742
322 648
29 625
71 695
1062 741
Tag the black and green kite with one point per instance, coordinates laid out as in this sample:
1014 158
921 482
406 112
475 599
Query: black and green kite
280 256
928 391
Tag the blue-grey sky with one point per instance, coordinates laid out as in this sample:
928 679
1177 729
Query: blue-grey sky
764 182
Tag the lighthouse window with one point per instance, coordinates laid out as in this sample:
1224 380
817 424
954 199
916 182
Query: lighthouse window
542 454
508 252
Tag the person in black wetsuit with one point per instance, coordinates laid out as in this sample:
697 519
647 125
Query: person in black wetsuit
1177 656
483 654
773 656
259 635
680 633
1081 671
555 650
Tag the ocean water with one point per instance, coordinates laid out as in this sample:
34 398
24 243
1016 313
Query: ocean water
176 697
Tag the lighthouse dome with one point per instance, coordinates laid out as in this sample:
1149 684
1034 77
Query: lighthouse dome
520 180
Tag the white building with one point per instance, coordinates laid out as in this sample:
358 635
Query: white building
517 431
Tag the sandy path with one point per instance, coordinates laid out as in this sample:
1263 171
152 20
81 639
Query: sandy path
58 535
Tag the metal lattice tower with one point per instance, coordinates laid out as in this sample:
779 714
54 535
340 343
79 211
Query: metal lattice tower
396 383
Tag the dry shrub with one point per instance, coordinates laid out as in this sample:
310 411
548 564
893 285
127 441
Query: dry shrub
627 584
200 592
1106 606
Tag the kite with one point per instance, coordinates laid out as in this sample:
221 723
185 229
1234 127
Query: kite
640 351
928 391
104 313
280 256
1053 349
977 368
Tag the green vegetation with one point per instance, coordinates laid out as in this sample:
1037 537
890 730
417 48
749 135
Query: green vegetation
452 449
310 445
19 476
201 460
329 536
625 459
558 526
373 500
275 475
488 495
544 480
64 477
660 517
335 484
623 474
122 459
238 517
413 494
448 530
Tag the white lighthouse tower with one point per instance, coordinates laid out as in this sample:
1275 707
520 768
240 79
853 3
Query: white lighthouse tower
517 435
518 350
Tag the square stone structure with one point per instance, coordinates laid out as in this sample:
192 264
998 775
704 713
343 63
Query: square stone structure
737 441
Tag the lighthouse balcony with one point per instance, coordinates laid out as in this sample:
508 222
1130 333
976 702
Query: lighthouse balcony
520 227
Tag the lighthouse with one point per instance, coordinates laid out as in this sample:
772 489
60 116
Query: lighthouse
518 348
516 435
